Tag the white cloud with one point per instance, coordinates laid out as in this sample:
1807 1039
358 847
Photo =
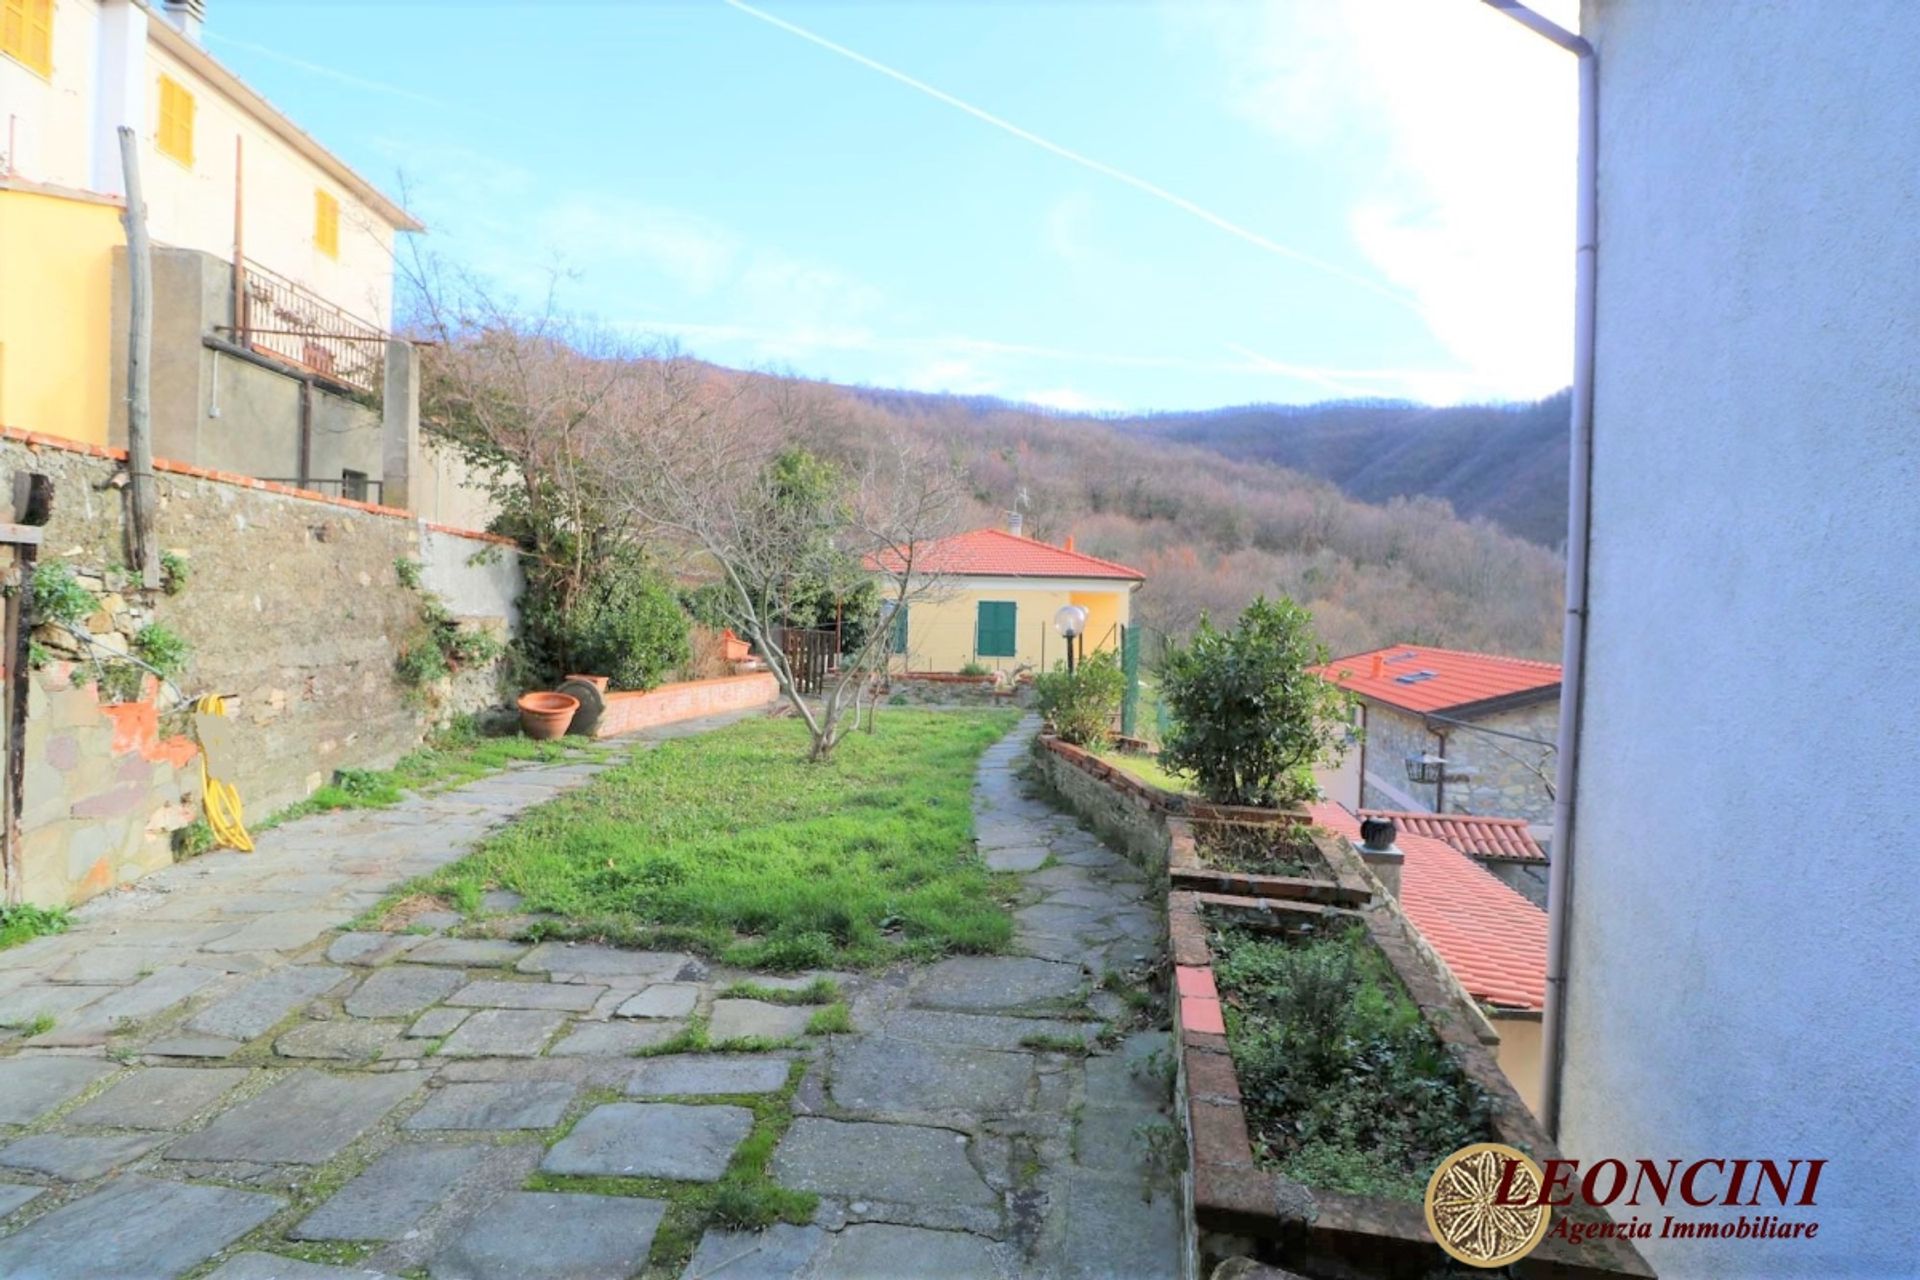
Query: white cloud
1068 400
1473 119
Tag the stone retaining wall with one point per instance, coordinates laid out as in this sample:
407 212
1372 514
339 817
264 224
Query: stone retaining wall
292 609
628 712
1127 813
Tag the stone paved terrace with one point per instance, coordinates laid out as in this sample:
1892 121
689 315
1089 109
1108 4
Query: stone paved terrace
234 1083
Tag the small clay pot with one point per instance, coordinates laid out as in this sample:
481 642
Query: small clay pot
598 682
546 715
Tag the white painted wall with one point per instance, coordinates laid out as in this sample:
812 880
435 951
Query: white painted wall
474 577
1745 937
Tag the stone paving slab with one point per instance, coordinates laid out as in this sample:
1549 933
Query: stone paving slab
585 960
662 1000
265 1001
566 997
193 1047
307 1118
371 949
651 1140
533 1235
282 931
876 1074
391 1195
467 953
158 1098
907 1164
76 1158
987 1031
134 1228
778 1253
340 1041
13 1195
435 1023
883 1251
996 983
42 1000
529 1104
614 1039
402 991
691 1075
503 1033
32 1085
758 1019
150 996
271 1266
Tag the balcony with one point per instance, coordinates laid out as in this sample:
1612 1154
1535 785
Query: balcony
279 318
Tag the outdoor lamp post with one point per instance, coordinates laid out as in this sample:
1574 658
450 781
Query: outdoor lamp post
1070 620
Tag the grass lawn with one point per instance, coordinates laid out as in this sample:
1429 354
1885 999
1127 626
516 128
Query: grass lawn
1148 770
731 844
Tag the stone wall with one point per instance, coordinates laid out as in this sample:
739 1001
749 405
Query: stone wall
1510 777
1122 809
292 609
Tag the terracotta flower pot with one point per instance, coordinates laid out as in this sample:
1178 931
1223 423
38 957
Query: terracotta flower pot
546 715
733 648
598 682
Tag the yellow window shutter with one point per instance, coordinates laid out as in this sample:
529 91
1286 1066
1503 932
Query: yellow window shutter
326 223
175 136
26 33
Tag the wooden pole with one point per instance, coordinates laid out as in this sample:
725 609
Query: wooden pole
32 507
145 554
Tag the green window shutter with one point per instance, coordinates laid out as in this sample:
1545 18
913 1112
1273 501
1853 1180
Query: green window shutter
900 629
993 635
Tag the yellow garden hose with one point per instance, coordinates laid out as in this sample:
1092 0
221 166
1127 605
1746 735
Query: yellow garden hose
224 813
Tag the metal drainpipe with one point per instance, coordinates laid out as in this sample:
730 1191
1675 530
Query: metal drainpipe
1560 879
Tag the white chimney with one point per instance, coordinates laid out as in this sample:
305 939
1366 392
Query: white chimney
188 15
1015 522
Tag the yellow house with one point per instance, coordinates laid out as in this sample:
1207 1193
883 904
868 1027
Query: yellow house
227 178
990 597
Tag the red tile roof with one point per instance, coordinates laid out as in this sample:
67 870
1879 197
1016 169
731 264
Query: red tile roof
998 554
1493 940
1441 679
1473 834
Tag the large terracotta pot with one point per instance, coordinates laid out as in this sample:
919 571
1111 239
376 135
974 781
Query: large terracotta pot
733 648
598 682
546 715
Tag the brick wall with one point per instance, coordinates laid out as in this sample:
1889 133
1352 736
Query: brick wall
627 712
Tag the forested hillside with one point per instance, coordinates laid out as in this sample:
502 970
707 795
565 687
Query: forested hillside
1506 463
1211 531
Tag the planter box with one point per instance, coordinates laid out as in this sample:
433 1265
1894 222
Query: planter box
1335 874
1325 1233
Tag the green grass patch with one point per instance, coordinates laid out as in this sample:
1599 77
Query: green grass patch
832 1020
744 1199
1149 771
819 991
1346 1087
733 845
38 1025
1049 1042
25 923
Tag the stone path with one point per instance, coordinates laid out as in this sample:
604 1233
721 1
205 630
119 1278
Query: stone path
236 1087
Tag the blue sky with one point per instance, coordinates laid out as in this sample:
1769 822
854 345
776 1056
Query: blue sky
1118 204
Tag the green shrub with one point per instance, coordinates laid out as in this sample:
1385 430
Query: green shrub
58 595
120 681
1250 719
175 572
407 572
160 647
1081 705
976 669
421 663
634 632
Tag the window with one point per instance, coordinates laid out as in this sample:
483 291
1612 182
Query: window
353 484
26 33
993 630
326 224
175 137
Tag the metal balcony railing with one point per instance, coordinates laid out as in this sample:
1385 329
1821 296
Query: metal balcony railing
359 488
282 319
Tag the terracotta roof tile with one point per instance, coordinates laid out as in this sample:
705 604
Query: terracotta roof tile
1474 834
999 554
1493 940
1419 678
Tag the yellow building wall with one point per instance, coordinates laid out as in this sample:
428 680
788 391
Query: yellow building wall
941 632
1520 1057
1107 612
56 268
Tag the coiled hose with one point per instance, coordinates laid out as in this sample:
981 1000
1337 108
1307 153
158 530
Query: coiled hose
225 817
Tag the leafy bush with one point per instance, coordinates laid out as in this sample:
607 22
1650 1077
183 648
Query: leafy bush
1081 705
407 572
58 595
632 631
161 648
975 669
1250 719
1345 1086
175 572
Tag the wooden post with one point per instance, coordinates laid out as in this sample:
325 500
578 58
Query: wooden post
145 554
32 506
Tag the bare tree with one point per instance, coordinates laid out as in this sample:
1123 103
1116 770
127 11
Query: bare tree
776 525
